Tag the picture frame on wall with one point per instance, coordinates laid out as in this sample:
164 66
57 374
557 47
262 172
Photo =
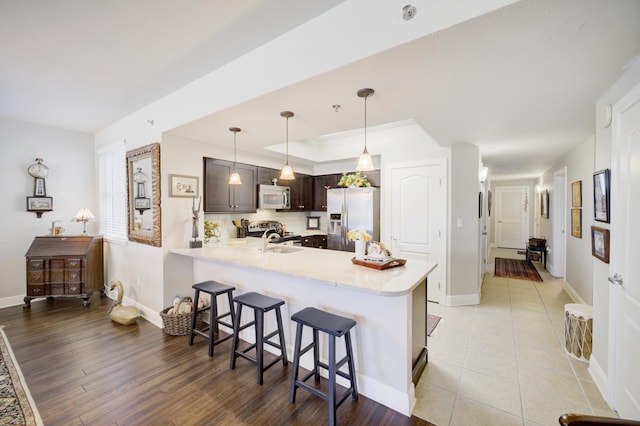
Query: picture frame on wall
601 195
576 194
576 223
183 186
600 243
544 204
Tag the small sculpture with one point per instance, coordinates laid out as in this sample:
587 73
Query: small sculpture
125 315
194 228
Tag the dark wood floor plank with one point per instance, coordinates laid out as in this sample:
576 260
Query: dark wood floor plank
83 369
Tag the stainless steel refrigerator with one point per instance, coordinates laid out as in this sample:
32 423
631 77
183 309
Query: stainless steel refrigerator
351 208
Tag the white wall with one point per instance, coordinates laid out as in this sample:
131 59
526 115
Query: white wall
579 163
464 187
71 182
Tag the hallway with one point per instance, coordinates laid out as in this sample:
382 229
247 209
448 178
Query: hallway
503 362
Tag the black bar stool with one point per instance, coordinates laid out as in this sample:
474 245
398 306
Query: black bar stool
334 326
214 289
260 304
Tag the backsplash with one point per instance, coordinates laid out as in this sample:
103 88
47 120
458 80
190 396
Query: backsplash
295 222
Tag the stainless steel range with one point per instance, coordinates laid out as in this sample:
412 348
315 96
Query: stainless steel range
259 227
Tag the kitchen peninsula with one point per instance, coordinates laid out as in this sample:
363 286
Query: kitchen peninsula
389 305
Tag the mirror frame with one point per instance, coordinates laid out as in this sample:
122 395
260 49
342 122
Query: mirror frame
153 237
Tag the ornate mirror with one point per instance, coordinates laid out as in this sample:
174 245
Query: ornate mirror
143 191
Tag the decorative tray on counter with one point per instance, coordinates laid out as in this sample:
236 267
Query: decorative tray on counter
376 264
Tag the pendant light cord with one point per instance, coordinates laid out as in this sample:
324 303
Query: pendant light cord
365 123
287 132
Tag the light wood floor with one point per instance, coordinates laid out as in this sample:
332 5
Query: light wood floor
82 369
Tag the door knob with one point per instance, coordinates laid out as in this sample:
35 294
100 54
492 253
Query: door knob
616 279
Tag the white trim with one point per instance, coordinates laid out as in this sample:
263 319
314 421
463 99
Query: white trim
572 293
7 302
599 377
559 223
463 299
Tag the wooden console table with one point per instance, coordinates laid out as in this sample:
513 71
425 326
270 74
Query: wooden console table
64 266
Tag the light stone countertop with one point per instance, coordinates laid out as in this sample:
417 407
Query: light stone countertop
329 266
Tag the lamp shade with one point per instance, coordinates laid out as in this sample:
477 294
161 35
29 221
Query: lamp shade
84 215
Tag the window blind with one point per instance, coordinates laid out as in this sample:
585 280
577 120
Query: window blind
113 191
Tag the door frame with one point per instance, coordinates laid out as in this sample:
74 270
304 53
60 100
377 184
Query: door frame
558 265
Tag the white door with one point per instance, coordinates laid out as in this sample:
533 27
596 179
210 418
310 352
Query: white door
626 252
511 216
418 212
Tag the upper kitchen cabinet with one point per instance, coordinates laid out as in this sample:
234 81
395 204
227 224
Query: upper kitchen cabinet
320 185
301 192
219 196
266 175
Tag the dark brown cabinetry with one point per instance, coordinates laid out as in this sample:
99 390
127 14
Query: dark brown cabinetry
219 196
320 185
301 192
315 241
64 266
266 175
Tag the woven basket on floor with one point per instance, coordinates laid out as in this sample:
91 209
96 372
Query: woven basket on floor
180 324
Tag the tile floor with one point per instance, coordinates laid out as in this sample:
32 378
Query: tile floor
502 362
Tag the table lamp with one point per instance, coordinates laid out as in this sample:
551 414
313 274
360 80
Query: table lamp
84 216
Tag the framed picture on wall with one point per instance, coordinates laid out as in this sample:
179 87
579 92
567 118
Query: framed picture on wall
576 194
544 203
576 223
183 186
600 243
601 197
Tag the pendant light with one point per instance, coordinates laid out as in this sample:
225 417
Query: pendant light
287 171
234 178
365 163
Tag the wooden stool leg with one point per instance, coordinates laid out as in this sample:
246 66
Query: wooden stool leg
352 369
236 332
332 380
296 364
194 315
283 346
259 314
316 355
213 322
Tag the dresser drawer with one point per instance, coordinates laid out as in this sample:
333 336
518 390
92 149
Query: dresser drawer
35 264
35 290
73 288
35 277
73 276
56 289
73 263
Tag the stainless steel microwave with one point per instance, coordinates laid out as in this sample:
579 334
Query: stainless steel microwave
274 197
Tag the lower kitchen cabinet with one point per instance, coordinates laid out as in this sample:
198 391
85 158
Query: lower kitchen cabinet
64 266
315 241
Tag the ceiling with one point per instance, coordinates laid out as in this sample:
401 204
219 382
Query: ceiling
520 82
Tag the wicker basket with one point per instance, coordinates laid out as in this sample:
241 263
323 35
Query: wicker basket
180 324
537 242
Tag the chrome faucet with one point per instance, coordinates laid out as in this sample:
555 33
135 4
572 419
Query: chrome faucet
266 239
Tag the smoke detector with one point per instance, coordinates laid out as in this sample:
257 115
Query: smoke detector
408 12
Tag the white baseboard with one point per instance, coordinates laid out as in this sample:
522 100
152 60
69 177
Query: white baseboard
463 300
572 293
599 378
7 302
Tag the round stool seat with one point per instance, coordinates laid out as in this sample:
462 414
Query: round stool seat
324 321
